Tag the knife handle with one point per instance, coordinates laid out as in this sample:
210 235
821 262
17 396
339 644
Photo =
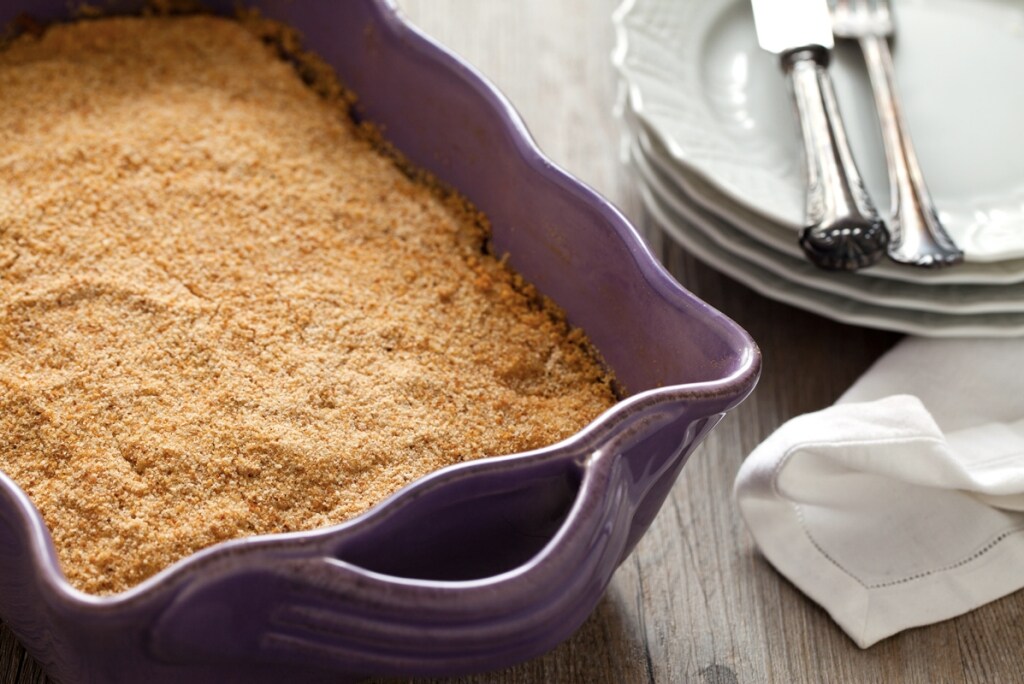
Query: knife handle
843 230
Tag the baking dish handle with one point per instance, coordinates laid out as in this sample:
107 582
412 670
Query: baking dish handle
322 610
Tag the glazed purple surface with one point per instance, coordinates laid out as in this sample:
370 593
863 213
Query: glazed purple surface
474 567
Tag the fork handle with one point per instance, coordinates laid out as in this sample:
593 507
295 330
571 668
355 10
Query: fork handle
918 237
843 230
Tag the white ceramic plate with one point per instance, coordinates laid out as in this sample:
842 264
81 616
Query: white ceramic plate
952 300
832 306
697 78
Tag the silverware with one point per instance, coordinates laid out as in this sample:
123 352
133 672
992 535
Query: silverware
843 230
917 236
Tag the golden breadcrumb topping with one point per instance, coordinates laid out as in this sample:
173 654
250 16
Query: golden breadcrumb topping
224 312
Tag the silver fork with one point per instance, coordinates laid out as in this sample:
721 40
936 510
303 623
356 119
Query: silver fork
916 235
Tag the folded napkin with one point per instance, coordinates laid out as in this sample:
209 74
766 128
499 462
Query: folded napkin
903 504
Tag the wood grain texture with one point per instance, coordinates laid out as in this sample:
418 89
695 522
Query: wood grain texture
695 602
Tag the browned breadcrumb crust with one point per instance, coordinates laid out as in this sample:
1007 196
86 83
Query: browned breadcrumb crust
223 312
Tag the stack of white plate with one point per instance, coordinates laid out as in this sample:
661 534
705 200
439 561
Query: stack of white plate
713 139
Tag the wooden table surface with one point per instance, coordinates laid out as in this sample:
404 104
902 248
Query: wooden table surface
695 602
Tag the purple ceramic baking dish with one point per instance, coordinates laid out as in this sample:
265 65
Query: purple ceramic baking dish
476 566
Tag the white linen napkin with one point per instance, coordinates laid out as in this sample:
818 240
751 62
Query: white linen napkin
903 504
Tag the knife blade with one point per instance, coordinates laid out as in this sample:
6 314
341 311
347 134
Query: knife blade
842 229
